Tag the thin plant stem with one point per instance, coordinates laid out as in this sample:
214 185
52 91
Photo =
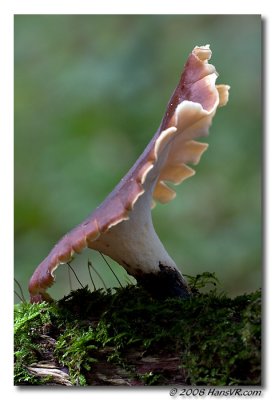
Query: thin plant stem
70 278
21 290
129 280
75 275
105 287
19 297
89 269
111 269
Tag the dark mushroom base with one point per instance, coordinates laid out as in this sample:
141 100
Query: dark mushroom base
168 282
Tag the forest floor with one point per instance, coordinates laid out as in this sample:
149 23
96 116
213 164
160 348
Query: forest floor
125 337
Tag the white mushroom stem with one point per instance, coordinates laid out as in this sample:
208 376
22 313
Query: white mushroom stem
134 243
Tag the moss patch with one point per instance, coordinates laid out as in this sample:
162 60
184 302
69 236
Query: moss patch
128 338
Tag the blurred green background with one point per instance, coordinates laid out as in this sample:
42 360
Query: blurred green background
90 91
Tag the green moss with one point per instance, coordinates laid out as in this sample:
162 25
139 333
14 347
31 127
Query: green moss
208 340
30 321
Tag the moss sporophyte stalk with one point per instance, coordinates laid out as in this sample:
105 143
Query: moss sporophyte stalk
126 337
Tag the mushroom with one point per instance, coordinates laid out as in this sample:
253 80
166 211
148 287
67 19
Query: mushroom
121 227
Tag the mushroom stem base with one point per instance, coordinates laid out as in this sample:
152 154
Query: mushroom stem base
167 282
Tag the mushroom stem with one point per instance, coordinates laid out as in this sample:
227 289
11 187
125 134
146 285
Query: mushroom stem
121 227
134 244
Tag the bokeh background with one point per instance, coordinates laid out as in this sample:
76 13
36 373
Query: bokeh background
90 91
